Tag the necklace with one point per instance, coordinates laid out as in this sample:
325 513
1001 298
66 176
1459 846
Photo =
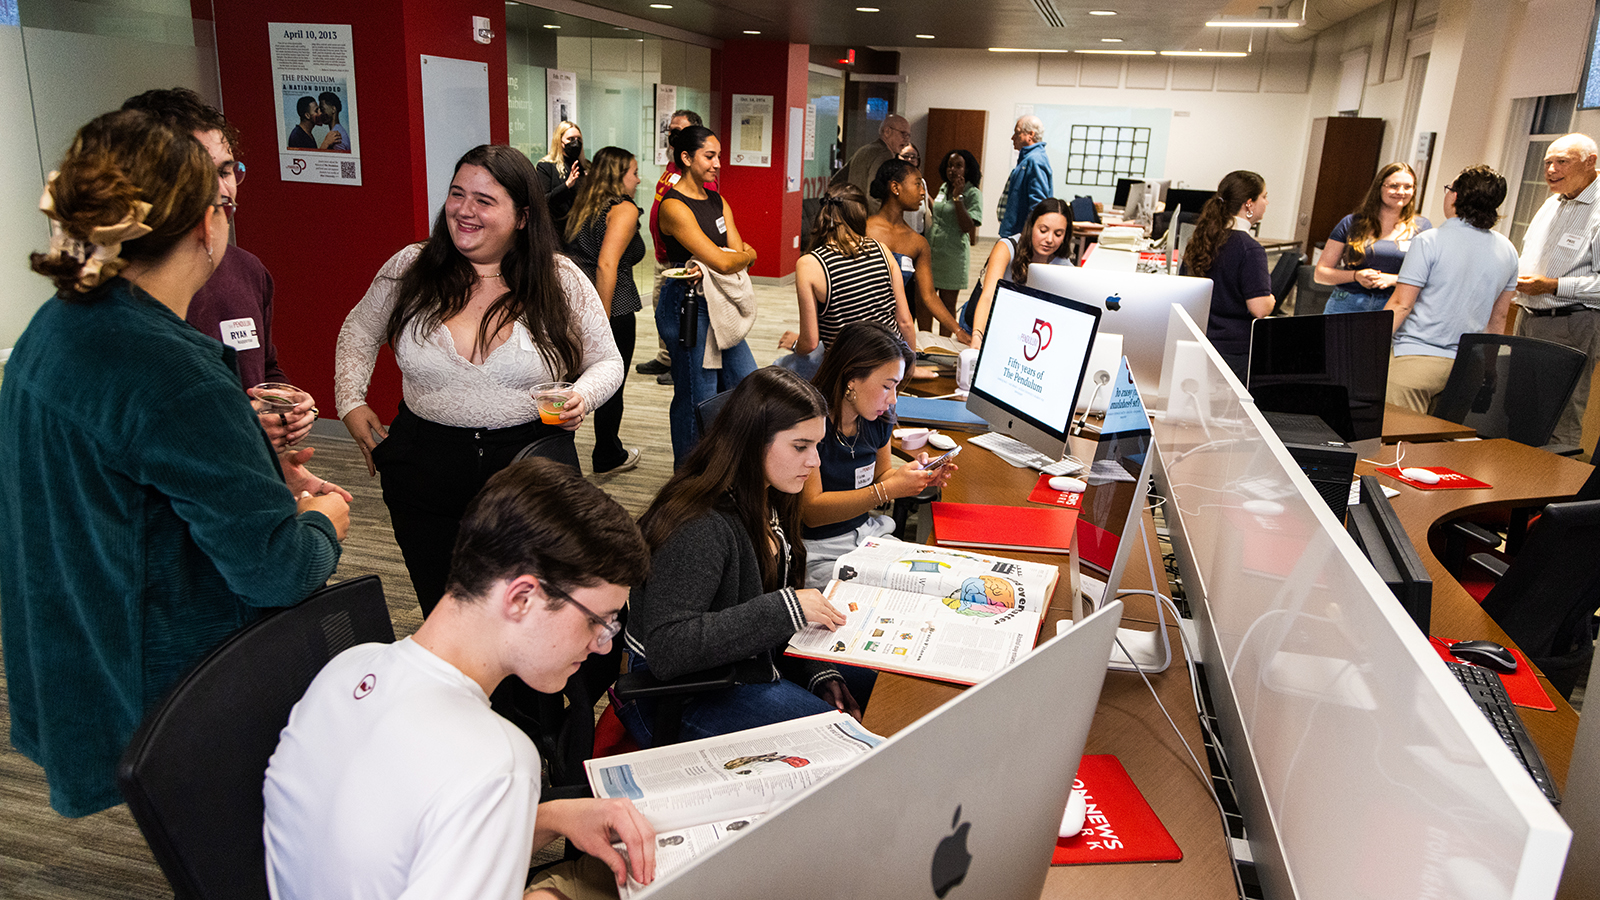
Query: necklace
495 275
838 435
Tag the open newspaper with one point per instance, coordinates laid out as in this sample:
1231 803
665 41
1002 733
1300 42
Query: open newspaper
700 792
939 612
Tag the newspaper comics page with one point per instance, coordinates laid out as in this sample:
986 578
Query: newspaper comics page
733 775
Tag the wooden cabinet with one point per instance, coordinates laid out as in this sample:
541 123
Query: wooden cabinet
1340 165
953 129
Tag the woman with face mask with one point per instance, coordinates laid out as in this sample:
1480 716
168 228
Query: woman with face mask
561 172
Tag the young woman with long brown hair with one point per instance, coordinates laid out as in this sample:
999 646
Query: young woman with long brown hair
1364 253
1223 250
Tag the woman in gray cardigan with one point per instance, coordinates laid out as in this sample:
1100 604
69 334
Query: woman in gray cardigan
724 583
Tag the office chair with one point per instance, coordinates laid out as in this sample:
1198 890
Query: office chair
1283 277
1509 387
1310 298
192 774
561 447
1547 597
706 412
1083 210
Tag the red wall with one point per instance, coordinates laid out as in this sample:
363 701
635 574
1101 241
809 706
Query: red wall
767 215
324 243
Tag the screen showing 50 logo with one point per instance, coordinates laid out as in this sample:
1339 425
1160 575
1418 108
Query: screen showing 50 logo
1034 342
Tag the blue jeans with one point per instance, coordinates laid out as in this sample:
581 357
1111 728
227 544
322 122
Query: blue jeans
692 383
1343 301
739 707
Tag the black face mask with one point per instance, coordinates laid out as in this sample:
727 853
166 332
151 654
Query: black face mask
573 150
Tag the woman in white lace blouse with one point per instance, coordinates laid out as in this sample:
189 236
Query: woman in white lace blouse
478 315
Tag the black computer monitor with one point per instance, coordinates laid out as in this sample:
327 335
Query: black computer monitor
1378 532
1334 367
1031 366
1119 198
1191 200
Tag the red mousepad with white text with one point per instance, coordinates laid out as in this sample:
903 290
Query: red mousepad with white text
1449 479
1120 825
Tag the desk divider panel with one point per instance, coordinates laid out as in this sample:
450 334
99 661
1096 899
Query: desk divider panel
1364 770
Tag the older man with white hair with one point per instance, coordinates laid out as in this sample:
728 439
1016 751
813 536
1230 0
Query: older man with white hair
1031 181
893 135
1559 288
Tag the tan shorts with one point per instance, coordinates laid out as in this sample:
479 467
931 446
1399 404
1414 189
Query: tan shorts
584 878
1414 380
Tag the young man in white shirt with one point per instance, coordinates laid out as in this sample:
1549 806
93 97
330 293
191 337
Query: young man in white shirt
395 779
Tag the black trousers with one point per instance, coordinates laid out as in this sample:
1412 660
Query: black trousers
608 450
430 473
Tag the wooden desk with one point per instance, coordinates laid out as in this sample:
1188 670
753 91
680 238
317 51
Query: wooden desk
1401 424
1518 475
1127 723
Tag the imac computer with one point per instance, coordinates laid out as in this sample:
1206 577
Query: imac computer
1333 367
1119 198
1032 363
1111 518
1134 305
1191 200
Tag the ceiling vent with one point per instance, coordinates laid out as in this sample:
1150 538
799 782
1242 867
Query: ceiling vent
1048 11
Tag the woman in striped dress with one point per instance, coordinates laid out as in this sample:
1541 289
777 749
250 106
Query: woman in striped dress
845 278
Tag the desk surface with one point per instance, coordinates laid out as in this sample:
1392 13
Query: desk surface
1401 424
1518 475
1128 723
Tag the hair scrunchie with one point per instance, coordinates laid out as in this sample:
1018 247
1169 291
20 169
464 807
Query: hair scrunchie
97 257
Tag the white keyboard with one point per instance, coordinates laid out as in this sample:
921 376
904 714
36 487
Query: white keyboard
1022 456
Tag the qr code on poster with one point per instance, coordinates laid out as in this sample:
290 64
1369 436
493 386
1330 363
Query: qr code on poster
347 170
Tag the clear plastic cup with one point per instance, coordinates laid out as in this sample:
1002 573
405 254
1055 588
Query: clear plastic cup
552 397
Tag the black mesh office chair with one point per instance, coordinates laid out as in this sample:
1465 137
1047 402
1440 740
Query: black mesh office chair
1509 387
1283 277
193 772
561 447
1310 298
706 412
1547 597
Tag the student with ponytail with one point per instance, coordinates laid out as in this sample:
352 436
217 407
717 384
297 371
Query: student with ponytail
1223 250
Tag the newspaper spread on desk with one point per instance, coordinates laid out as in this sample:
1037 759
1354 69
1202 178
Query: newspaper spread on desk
700 792
938 612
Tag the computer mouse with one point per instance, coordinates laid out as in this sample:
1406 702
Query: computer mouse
941 441
1421 476
1067 483
1487 654
1072 819
1262 507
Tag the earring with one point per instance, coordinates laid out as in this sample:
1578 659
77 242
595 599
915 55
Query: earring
209 257
850 393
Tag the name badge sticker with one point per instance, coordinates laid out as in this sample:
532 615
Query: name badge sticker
1570 241
1403 245
722 224
240 334
865 473
907 265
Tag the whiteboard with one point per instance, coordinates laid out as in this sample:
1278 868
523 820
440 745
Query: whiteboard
455 118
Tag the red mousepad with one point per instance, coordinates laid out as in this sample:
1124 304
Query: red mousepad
1449 479
1522 686
1120 826
1044 493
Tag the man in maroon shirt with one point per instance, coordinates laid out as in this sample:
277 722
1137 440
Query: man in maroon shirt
235 306
661 366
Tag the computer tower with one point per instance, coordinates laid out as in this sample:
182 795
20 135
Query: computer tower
1329 462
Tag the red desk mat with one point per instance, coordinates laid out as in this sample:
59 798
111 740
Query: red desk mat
1449 479
1120 825
1522 686
1044 493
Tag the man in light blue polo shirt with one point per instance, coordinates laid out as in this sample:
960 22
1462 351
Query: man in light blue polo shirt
1457 278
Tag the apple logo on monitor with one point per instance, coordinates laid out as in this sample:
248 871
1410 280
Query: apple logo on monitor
1113 303
950 858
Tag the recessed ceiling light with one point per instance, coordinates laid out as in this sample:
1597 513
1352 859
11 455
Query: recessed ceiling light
747 31
1111 40
661 6
1118 52
1253 23
926 37
1024 50
1203 53
553 27
1102 12
867 9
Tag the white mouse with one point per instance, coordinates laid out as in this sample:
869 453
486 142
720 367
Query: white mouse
1262 507
1067 483
1421 476
1072 819
942 442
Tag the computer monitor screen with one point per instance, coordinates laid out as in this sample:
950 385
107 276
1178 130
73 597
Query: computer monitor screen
1109 514
1031 364
1119 198
1191 200
1335 367
1134 305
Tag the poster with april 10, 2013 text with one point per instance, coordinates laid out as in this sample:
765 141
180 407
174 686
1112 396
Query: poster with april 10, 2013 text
314 81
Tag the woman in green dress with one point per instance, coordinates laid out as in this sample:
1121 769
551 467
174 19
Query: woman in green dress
957 209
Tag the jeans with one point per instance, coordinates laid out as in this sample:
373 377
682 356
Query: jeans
692 383
1343 301
739 707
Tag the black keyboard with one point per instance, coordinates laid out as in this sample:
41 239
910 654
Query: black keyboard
1486 690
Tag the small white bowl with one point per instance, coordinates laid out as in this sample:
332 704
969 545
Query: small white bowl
912 438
